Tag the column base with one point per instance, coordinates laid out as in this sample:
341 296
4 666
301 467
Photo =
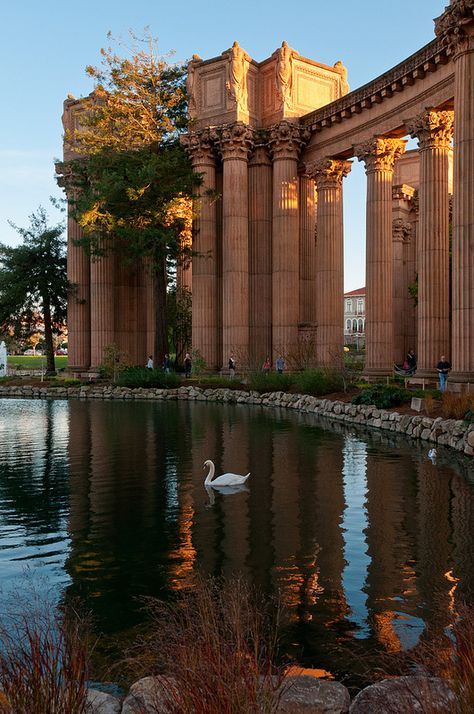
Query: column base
460 382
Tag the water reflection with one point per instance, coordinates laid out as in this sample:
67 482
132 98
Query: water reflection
364 537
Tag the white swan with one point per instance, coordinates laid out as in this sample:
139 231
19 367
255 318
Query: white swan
432 455
225 479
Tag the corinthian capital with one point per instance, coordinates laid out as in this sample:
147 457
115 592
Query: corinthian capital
328 173
456 26
287 140
434 130
380 153
199 145
234 141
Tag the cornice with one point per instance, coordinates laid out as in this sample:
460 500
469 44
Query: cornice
404 74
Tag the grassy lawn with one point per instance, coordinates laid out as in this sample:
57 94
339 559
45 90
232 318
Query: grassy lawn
31 362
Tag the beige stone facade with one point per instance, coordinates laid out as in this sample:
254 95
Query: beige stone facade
275 140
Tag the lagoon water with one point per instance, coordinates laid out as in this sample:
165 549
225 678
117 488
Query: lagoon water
369 544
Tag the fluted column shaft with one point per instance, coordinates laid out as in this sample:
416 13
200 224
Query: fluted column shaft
204 271
307 205
434 133
379 155
79 305
457 26
328 175
260 255
234 144
102 307
285 142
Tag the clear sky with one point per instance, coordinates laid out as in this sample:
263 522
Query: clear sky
45 47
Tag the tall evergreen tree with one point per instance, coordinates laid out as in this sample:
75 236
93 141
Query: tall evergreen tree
131 166
33 280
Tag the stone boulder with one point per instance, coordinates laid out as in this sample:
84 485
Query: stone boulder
149 695
405 695
309 695
102 703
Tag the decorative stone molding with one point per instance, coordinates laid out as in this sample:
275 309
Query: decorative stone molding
380 153
328 173
287 140
456 26
200 147
433 129
234 141
403 192
401 230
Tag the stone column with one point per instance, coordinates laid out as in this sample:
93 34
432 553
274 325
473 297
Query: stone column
260 255
307 220
204 271
78 306
403 272
456 25
379 155
286 140
434 132
234 144
102 307
328 175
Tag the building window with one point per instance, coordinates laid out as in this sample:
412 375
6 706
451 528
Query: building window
360 306
348 325
348 305
360 326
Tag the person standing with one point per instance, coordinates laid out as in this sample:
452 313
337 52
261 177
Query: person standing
167 364
443 368
149 364
280 364
266 366
232 366
411 359
188 363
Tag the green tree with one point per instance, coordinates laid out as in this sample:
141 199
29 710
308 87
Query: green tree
131 166
33 281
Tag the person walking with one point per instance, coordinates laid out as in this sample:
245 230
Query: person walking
232 366
280 364
149 364
443 368
188 363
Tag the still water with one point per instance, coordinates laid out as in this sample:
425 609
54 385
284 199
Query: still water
368 542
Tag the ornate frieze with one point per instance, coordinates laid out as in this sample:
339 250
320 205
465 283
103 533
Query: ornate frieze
328 173
200 147
401 230
234 141
287 140
433 129
456 26
380 153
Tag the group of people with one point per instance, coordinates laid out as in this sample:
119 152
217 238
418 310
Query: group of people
166 363
279 365
443 368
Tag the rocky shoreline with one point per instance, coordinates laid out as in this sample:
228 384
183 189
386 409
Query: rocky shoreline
453 433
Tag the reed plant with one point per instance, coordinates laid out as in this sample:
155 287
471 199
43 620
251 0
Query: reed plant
456 406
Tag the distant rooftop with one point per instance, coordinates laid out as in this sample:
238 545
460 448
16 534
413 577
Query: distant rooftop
353 293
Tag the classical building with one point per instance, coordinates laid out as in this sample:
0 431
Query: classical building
274 140
354 317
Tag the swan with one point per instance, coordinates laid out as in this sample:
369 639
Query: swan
432 454
225 479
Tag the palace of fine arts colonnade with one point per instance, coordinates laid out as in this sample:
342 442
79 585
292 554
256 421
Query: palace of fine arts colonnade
274 142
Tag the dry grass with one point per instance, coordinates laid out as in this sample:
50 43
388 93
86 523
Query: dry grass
218 643
455 406
43 660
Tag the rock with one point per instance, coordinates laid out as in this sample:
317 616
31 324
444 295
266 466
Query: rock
405 695
102 703
309 695
149 695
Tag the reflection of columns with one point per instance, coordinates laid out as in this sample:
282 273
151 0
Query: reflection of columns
379 155
204 272
457 27
403 272
434 132
285 141
102 306
328 175
308 299
234 144
260 255
78 307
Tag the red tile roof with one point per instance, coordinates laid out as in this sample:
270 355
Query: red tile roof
359 291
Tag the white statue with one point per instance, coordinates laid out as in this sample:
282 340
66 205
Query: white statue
3 359
191 82
284 73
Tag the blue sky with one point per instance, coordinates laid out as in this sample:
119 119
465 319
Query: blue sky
45 47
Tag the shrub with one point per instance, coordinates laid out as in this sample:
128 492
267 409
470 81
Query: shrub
147 378
319 382
382 396
456 406
218 642
271 382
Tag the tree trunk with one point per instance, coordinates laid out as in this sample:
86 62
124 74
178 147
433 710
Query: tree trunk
161 333
48 336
